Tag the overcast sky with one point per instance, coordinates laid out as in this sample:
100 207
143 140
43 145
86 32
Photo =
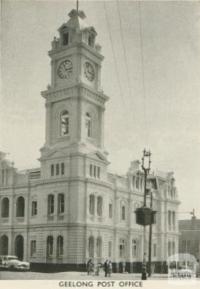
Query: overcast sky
166 118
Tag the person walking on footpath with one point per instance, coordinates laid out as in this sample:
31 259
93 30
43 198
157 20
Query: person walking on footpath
106 268
109 268
89 266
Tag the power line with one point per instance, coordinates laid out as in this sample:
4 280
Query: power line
124 49
142 65
114 55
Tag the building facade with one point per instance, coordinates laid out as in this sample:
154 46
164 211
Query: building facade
72 208
189 241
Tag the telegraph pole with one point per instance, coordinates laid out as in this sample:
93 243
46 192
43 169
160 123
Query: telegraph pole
150 235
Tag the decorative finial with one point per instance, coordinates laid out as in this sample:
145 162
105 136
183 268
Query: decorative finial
77 4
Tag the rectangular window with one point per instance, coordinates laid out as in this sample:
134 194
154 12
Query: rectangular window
98 172
52 170
91 204
33 247
95 171
34 208
50 204
134 248
61 203
169 220
91 169
62 168
154 250
122 248
110 249
57 169
137 183
133 181
110 211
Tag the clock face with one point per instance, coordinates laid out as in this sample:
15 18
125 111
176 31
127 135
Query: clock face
89 71
65 69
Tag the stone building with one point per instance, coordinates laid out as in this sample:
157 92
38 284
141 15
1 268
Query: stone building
72 208
189 241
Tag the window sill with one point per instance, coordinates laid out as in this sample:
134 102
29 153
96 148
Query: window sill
20 219
4 219
61 217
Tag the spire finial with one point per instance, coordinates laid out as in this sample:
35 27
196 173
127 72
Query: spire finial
77 4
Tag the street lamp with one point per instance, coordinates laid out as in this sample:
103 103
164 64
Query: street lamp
146 166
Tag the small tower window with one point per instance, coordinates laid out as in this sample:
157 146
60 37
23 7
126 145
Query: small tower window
64 123
88 125
91 40
65 38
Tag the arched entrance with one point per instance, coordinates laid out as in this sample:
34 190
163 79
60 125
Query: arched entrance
4 245
19 247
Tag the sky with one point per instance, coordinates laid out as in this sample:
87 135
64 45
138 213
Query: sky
150 73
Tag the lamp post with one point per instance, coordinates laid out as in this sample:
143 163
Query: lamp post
146 164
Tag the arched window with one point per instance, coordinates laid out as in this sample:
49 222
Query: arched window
64 119
173 220
169 220
110 210
169 248
173 247
5 208
91 247
99 206
49 246
50 204
88 121
65 38
20 207
4 245
110 249
123 212
99 247
91 204
91 40
59 246
61 203
137 183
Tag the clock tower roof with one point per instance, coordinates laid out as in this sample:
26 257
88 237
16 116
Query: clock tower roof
77 22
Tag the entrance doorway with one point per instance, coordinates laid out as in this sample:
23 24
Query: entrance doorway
19 247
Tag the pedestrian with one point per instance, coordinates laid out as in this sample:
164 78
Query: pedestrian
89 266
106 268
109 268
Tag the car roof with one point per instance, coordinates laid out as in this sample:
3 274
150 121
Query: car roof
8 256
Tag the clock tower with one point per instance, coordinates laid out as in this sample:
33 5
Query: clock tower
75 102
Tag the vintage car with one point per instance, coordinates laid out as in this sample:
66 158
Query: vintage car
13 263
